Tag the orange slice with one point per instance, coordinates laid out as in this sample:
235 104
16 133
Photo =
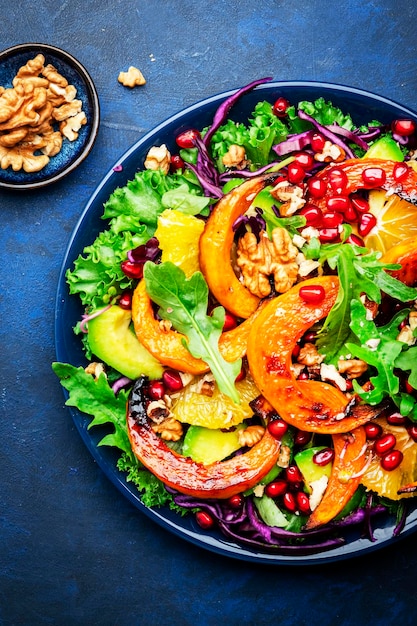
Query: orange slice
179 235
396 220
386 483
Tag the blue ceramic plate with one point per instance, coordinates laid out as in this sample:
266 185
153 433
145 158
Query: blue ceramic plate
363 107
72 152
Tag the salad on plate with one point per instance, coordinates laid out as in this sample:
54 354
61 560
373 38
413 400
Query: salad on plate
250 325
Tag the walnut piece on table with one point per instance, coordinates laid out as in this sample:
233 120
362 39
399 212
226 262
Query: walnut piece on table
132 78
275 257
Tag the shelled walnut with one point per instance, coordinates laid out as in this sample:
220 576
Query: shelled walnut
36 114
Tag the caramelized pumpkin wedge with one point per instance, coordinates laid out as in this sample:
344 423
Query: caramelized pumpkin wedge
216 247
349 461
404 253
167 344
309 405
354 169
221 479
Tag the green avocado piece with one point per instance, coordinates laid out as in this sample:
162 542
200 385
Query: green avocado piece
310 470
208 445
385 148
263 200
112 340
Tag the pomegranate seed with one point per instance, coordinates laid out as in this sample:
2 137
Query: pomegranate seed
177 163
290 502
276 488
310 336
332 219
241 375
305 159
230 322
187 138
303 502
359 204
302 437
296 173
385 443
338 180
404 128
350 215
400 172
313 214
317 187
349 385
374 176
296 351
281 107
317 142
356 240
236 501
312 294
293 474
156 390
329 235
373 431
412 431
323 457
303 376
396 419
125 301
338 203
204 520
172 380
277 428
132 270
392 460
409 388
367 223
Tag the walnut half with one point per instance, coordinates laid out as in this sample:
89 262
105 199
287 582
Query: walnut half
260 260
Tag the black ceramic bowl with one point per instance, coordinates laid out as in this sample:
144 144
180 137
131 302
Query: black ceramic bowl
363 107
72 152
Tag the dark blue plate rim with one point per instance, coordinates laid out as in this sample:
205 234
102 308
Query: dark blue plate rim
186 528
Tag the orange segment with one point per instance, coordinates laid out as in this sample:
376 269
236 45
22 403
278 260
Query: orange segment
179 235
396 220
216 411
386 483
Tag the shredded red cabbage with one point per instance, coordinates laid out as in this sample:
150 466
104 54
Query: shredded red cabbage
294 143
326 132
121 383
223 110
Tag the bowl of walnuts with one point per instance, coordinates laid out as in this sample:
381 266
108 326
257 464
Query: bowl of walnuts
49 115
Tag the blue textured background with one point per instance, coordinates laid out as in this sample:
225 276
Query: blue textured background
72 549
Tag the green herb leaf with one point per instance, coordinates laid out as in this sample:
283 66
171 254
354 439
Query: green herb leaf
94 397
360 272
378 348
184 302
182 199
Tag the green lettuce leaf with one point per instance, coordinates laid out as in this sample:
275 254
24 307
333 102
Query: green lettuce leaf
94 397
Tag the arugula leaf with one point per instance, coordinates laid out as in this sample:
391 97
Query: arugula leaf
360 272
378 348
97 276
94 397
407 361
292 223
184 303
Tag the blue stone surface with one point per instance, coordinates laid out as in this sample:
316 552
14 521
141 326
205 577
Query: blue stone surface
73 550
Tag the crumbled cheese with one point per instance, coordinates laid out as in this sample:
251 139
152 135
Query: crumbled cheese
373 343
329 372
318 487
258 490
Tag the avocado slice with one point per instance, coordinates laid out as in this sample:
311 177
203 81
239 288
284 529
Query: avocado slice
385 148
112 340
208 445
311 471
